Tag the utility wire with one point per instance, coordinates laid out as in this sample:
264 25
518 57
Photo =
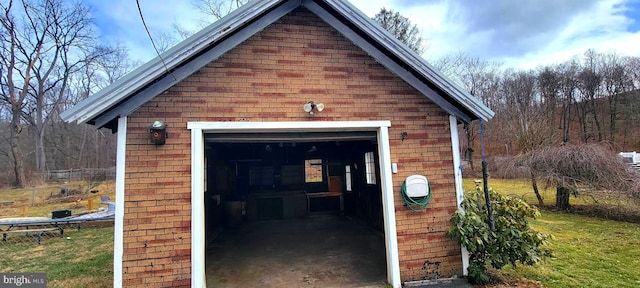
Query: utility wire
152 42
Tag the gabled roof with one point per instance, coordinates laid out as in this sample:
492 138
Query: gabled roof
130 92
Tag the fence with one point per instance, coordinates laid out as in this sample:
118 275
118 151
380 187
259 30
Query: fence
63 230
83 174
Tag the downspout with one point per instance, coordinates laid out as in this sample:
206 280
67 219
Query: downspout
457 172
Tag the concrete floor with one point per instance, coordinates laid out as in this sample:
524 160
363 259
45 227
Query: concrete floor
320 251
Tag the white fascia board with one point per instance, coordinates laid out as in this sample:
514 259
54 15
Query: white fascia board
288 126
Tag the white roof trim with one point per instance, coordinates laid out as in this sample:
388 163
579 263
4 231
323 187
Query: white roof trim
288 126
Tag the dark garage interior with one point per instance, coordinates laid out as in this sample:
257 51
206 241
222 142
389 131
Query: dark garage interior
293 210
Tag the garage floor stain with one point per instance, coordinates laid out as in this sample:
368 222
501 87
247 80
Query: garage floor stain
319 251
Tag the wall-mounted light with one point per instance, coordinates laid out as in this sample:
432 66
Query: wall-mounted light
158 133
403 135
310 106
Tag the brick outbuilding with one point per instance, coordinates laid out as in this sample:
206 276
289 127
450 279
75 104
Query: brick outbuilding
240 103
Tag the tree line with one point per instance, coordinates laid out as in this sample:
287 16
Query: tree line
589 98
560 124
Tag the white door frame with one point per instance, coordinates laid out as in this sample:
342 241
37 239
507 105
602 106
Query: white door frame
118 229
198 129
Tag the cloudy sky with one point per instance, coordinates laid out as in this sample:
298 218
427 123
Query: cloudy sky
521 34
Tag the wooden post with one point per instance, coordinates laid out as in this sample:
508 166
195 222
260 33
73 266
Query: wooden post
90 204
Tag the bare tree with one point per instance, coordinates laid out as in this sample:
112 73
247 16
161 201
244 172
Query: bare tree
70 45
400 26
549 85
616 81
212 11
589 80
479 77
164 41
630 105
106 69
568 72
520 91
571 167
16 73
79 145
44 42
218 8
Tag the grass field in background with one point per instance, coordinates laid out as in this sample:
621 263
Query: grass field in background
38 201
521 188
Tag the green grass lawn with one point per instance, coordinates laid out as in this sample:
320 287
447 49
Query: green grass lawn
82 258
588 252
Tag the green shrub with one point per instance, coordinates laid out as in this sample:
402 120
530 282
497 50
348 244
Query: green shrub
513 240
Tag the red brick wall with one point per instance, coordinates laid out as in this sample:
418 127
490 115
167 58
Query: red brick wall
268 78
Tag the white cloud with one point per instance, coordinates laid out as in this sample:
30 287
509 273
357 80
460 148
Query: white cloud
521 34
602 28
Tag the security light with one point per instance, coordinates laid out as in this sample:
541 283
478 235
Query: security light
310 106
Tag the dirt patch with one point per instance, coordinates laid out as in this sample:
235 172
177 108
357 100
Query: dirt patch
66 195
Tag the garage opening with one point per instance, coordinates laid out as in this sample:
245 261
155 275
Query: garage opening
293 209
256 133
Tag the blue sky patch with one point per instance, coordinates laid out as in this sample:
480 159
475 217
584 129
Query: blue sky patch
632 12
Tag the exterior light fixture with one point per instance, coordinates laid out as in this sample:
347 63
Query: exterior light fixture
158 133
403 135
310 106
